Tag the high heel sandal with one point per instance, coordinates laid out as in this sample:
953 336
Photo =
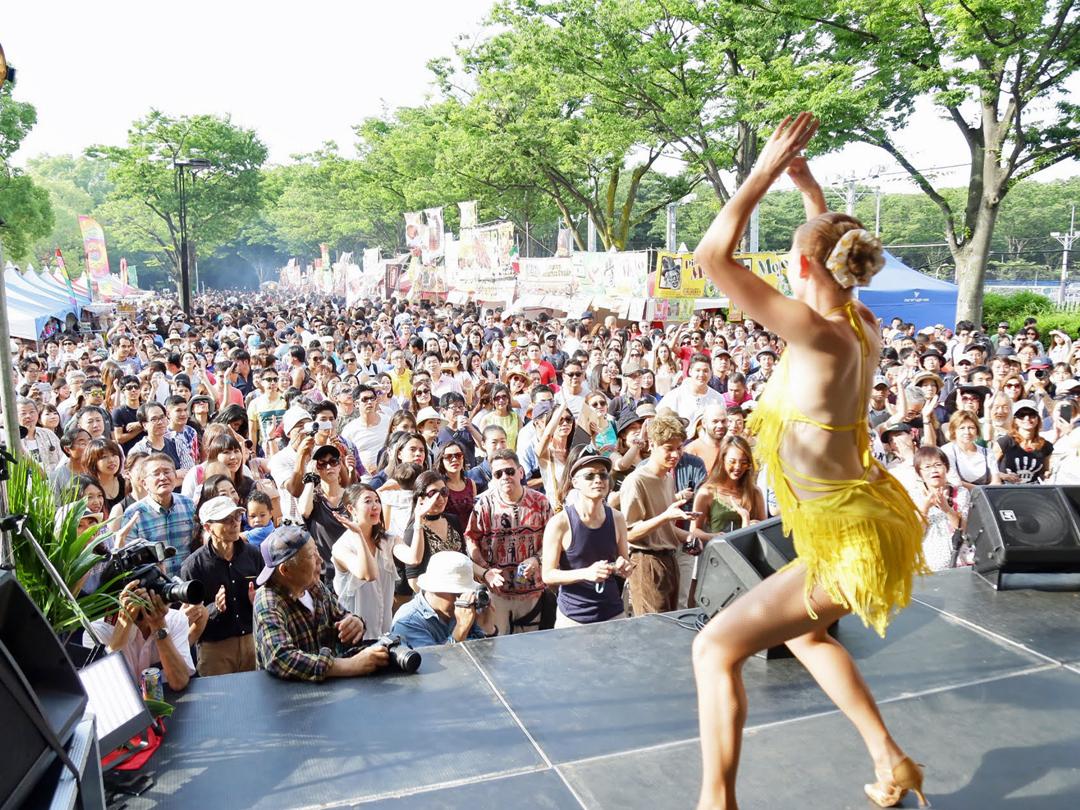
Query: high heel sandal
891 787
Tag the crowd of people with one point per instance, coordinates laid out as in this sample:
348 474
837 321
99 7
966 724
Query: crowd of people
311 463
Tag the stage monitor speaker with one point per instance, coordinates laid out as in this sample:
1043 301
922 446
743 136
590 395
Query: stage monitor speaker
1029 528
41 697
733 564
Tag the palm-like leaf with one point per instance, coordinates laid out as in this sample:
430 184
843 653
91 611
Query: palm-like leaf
69 550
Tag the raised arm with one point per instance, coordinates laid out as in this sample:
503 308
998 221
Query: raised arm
715 254
812 196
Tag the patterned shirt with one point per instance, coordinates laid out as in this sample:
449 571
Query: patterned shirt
507 534
174 526
292 641
187 446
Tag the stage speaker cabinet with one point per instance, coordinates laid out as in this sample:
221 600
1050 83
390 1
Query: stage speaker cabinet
41 697
1029 528
733 564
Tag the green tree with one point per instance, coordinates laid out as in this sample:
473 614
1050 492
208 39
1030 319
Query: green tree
76 185
997 69
24 206
142 208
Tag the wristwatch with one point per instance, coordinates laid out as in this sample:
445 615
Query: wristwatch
161 634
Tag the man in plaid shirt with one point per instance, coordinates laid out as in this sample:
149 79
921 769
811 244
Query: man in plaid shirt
163 514
299 627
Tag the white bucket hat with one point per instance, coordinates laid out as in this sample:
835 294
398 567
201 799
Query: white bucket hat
448 572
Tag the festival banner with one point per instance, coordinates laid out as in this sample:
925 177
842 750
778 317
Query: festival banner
467 214
432 249
676 276
615 274
354 281
487 252
394 272
564 243
415 234
553 275
97 258
770 267
123 272
133 275
371 261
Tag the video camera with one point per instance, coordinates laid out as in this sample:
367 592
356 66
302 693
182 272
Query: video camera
140 561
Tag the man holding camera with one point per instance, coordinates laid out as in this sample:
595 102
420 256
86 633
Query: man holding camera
449 608
147 632
163 514
227 566
301 634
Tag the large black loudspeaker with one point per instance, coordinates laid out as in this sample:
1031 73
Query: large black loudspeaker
1024 529
41 697
733 564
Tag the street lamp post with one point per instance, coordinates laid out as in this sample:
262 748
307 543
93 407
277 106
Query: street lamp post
194 165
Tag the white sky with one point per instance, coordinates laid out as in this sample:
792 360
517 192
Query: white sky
298 72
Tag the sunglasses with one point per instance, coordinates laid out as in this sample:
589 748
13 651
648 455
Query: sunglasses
442 492
366 400
269 379
453 456
350 359
96 392
573 374
422 390
504 472
1013 385
322 464
593 475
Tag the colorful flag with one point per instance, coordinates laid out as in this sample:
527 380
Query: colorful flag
66 277
123 272
97 258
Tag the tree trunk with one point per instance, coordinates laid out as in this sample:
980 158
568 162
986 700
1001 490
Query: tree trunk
971 260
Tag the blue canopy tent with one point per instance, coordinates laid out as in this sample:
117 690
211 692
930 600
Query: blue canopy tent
33 287
29 309
54 287
900 292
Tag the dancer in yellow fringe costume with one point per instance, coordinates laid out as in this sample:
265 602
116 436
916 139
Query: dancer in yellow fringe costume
857 533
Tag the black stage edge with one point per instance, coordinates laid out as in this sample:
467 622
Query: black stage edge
981 686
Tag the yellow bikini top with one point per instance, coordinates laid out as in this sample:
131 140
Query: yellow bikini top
776 408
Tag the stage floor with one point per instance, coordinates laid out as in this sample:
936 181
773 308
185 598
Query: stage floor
981 686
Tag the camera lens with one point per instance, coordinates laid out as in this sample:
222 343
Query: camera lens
407 660
191 593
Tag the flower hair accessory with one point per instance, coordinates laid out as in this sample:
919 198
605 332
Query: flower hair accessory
837 263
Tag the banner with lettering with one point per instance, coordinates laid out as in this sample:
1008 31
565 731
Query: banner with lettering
97 258
675 276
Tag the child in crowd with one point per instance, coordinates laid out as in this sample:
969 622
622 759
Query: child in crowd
260 518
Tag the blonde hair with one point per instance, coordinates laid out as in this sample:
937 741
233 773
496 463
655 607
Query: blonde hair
817 238
666 426
958 419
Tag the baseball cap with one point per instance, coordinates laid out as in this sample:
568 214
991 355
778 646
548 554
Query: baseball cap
1025 405
880 381
293 417
1040 362
589 456
218 508
282 545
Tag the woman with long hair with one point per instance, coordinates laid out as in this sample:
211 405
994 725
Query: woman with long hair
431 528
729 498
223 449
405 447
452 366
363 557
1022 455
553 449
103 460
450 461
503 414
322 503
1013 388
421 393
857 532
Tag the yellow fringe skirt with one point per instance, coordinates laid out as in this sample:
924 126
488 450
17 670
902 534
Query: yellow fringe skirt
862 544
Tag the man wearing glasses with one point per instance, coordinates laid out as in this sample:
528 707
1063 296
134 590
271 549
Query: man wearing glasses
227 566
163 514
505 537
154 421
367 432
573 389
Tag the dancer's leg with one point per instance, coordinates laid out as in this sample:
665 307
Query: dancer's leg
833 668
770 614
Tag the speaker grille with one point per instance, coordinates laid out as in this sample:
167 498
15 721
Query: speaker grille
1032 519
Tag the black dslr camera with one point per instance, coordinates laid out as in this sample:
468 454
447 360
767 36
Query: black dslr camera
402 656
139 561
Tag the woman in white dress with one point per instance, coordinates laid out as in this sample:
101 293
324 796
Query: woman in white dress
364 570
